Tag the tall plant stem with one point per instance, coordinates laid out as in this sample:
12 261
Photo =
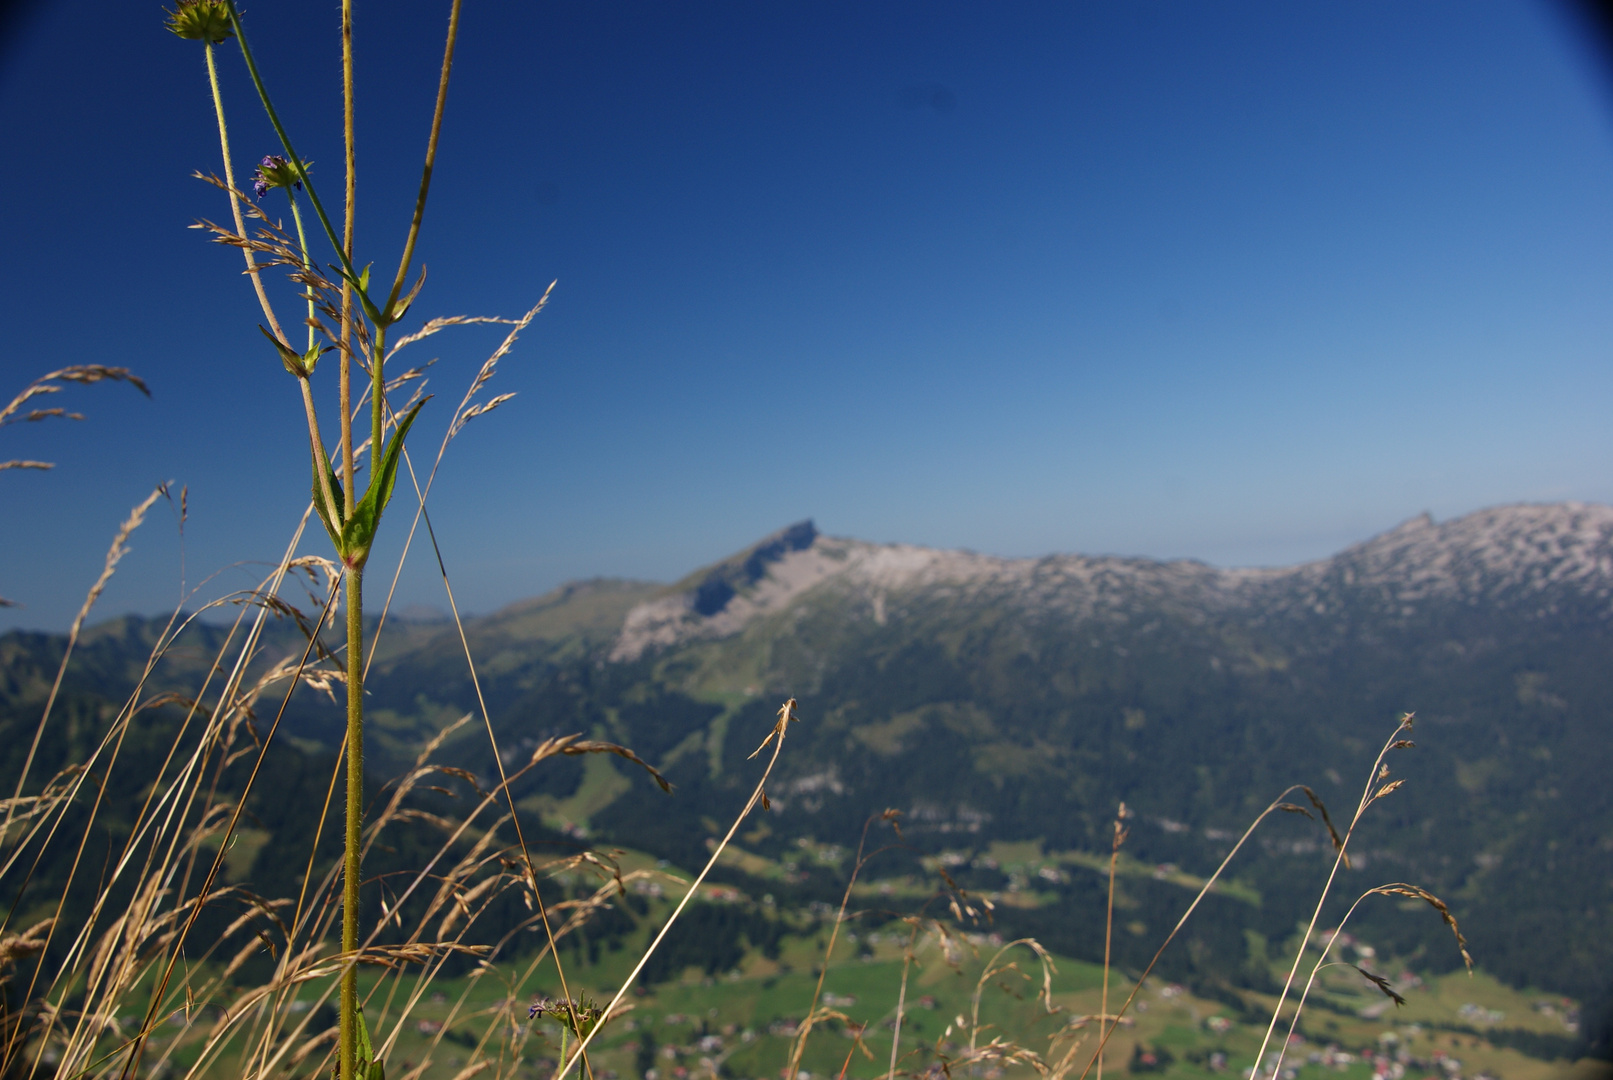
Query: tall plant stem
377 399
347 1044
307 261
235 200
431 159
355 816
355 586
345 390
351 869
321 456
317 448
1108 938
285 141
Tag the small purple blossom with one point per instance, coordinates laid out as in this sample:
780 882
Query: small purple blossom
274 171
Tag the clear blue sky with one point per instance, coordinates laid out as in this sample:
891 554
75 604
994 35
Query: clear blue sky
1240 282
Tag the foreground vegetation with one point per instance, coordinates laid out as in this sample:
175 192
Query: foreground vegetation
739 1021
194 891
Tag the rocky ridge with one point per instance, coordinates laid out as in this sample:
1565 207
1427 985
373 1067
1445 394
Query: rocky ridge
1524 556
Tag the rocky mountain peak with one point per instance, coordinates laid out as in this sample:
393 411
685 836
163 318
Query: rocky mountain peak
1504 550
720 599
1496 554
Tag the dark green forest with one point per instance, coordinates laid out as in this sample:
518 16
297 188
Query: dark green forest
990 718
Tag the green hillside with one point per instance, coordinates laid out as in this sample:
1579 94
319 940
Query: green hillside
1007 707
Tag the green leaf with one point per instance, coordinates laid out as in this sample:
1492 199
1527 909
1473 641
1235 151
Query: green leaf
332 528
361 286
363 1050
311 357
292 360
401 308
368 1065
359 530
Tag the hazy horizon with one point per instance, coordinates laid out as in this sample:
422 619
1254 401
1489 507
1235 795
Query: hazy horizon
1245 284
425 611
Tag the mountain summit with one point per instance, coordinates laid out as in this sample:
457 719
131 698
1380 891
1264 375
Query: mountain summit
1527 557
1018 701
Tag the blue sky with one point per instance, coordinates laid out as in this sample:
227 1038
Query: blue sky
1238 282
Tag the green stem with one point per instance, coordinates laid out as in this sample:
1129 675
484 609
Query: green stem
235 200
317 447
285 143
431 158
307 261
345 378
355 817
321 459
377 403
355 748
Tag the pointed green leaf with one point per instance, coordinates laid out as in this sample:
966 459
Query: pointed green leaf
401 308
364 296
332 528
362 1048
388 472
359 531
293 362
361 287
364 1053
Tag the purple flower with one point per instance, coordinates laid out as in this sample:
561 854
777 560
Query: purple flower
275 171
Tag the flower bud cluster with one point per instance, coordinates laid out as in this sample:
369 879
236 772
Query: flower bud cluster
275 171
201 20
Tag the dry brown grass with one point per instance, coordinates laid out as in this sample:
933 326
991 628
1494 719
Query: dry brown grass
75 986
171 862
69 1023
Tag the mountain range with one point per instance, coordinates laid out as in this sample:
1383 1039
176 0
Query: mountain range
998 700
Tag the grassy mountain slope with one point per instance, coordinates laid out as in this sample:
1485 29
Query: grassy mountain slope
1018 701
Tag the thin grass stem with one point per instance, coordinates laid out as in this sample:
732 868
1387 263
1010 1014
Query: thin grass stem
786 714
1109 929
285 141
1276 805
1338 860
794 1067
351 873
349 207
901 1000
132 1063
114 555
235 198
431 160
307 261
476 682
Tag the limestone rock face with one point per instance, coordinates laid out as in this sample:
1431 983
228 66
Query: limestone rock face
1515 556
